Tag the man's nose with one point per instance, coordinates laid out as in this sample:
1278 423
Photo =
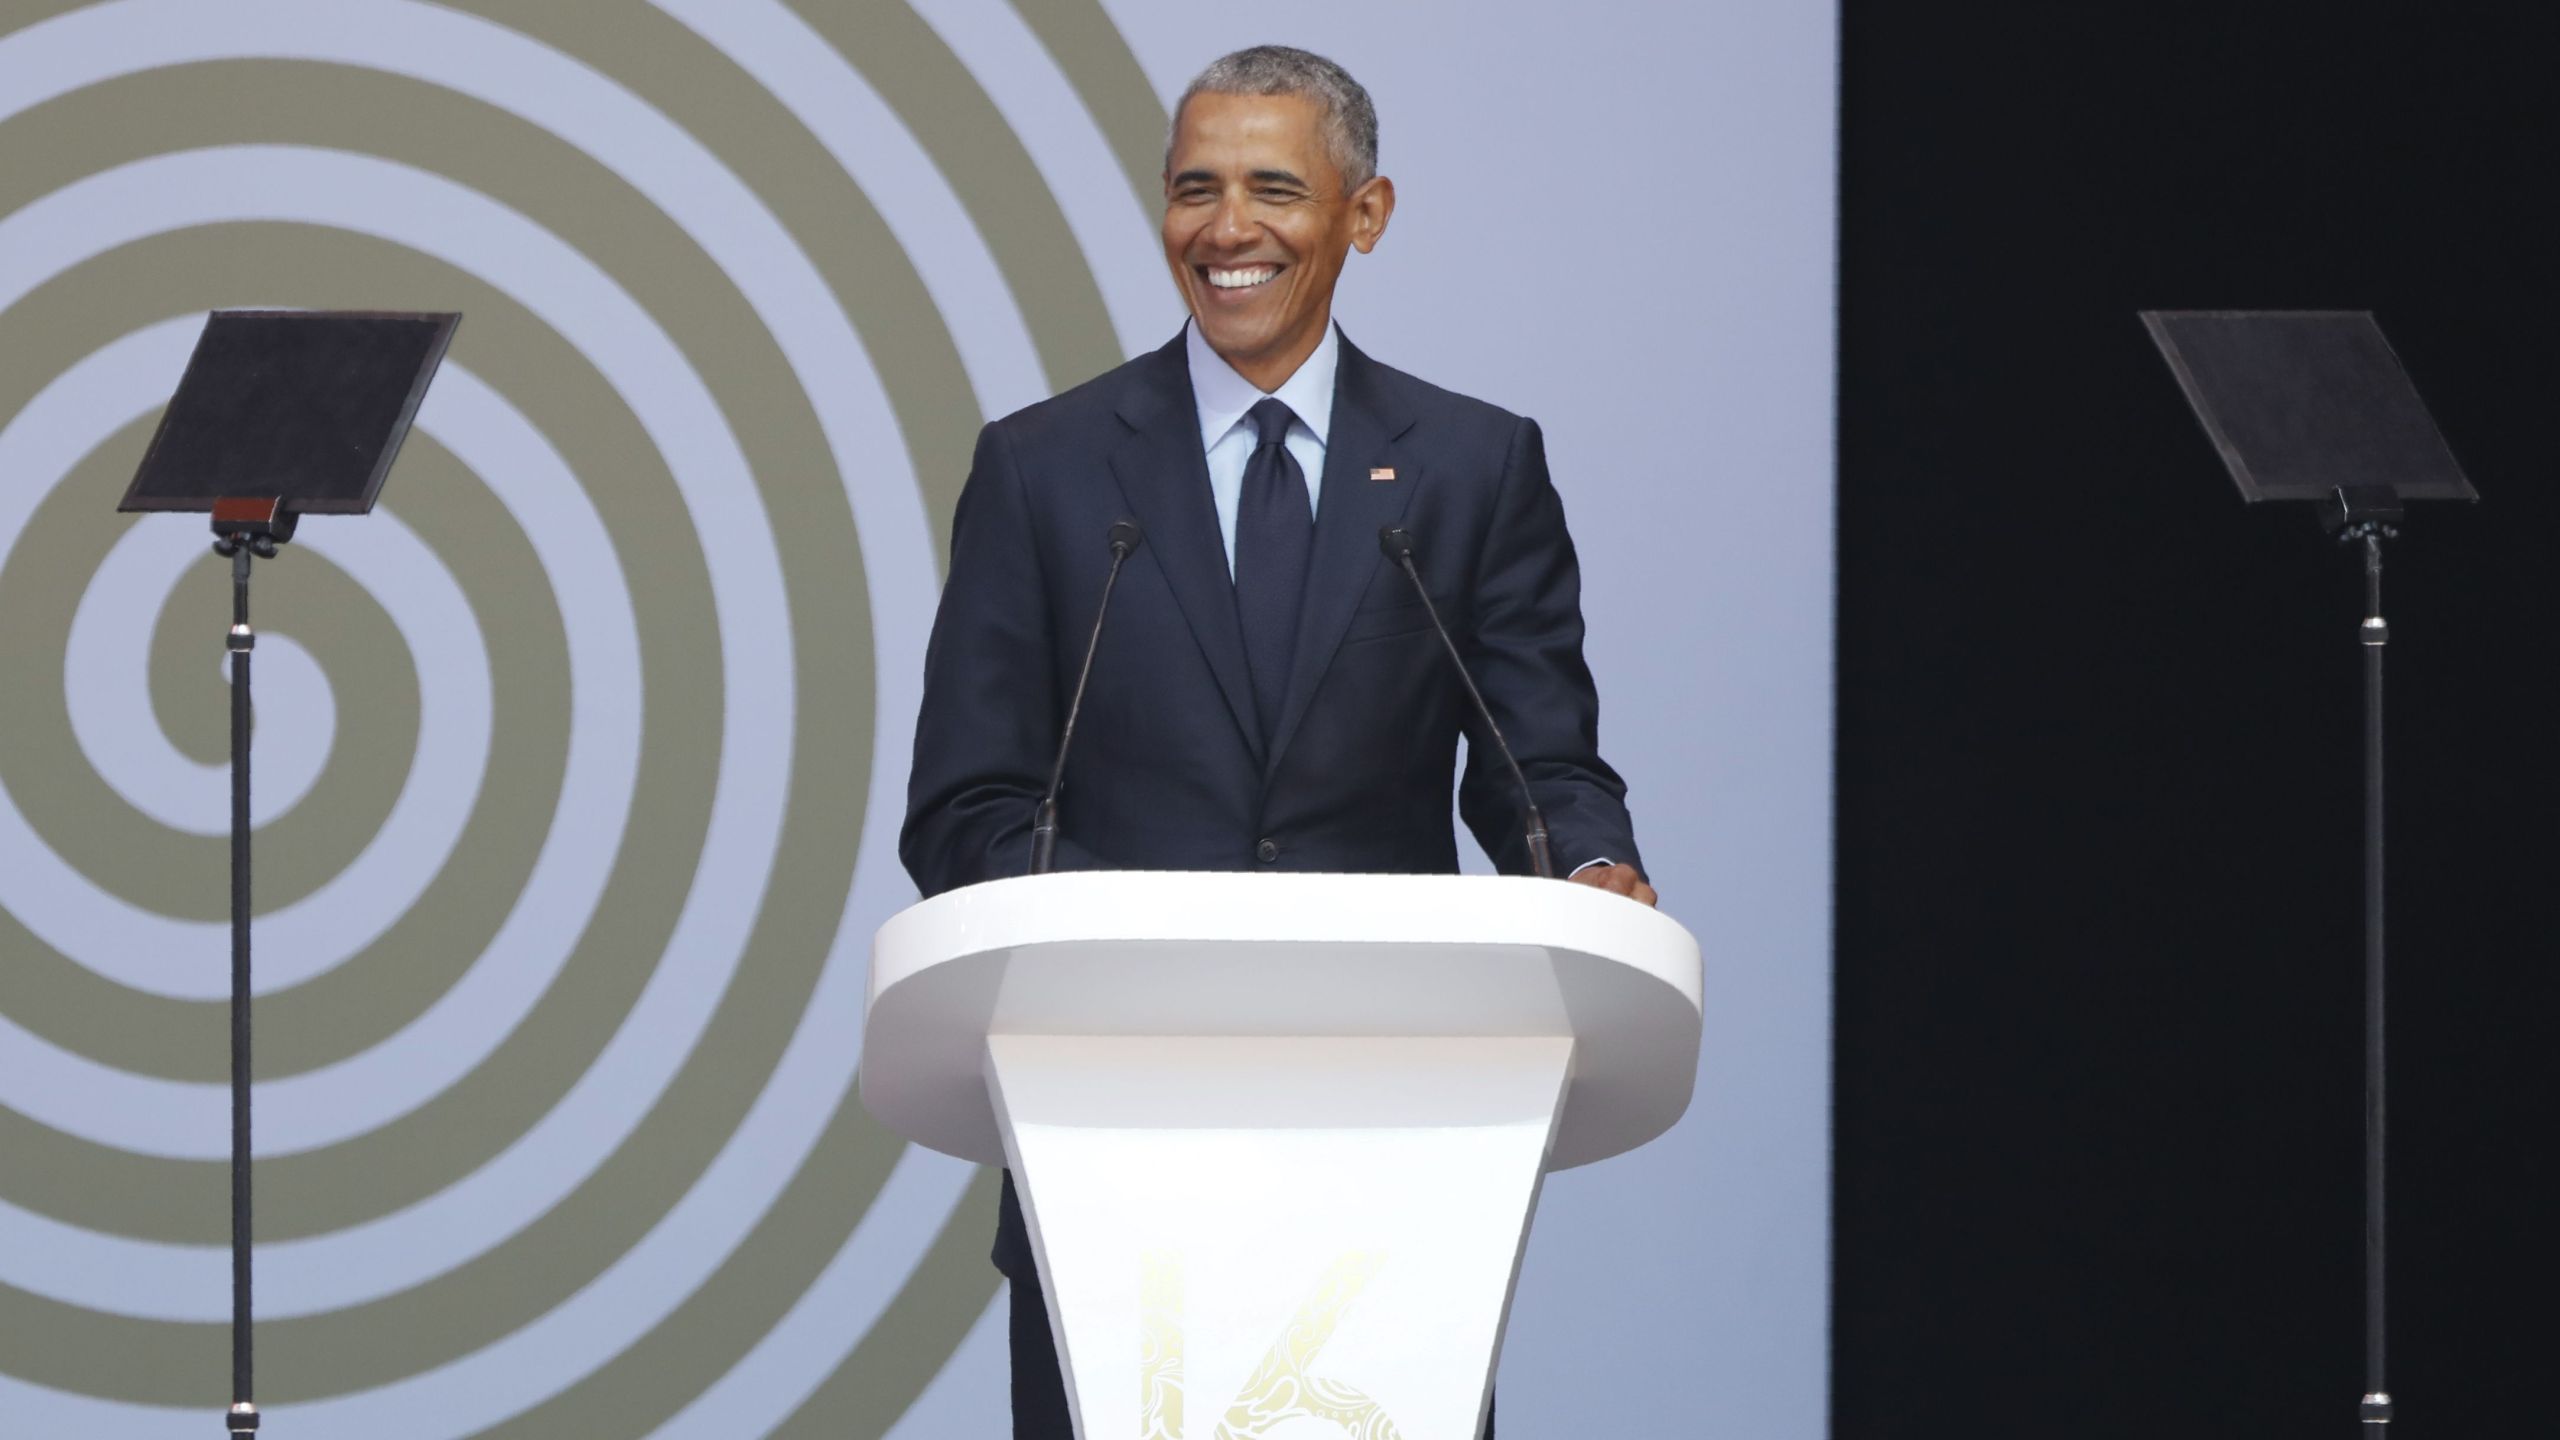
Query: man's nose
1230 227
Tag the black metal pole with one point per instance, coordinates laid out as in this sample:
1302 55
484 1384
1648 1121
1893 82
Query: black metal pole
2375 633
242 1418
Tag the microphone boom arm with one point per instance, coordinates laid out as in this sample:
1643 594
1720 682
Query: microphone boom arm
1398 543
1125 536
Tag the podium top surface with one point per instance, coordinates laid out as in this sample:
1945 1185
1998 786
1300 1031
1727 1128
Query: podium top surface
1149 953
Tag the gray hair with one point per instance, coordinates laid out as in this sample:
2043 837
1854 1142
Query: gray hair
1350 121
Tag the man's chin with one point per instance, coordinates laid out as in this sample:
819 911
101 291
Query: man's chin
1236 343
1223 332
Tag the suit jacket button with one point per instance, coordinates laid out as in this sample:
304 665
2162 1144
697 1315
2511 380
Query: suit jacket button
1267 851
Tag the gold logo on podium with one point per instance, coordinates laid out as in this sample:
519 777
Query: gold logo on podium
1281 1387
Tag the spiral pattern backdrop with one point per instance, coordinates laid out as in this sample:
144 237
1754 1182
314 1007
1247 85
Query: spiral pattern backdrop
580 761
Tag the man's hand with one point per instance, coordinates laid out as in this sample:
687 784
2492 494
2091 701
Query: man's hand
1617 880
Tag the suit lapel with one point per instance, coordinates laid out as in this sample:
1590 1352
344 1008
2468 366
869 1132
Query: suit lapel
1351 508
1165 478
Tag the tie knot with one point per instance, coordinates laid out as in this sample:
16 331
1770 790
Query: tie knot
1271 417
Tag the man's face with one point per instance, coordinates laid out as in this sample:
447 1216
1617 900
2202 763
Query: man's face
1256 227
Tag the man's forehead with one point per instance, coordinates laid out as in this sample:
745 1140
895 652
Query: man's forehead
1213 123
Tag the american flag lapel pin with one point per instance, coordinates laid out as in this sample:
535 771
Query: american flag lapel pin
1382 472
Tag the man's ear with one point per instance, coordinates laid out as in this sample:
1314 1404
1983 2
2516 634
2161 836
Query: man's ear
1371 206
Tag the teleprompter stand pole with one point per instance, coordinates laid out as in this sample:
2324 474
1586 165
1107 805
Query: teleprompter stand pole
246 529
2313 406
2365 517
280 413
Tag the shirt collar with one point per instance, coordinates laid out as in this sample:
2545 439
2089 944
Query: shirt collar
1223 396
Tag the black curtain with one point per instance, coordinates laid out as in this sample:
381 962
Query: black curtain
2099 968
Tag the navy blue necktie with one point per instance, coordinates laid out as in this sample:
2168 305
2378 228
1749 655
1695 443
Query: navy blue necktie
1275 531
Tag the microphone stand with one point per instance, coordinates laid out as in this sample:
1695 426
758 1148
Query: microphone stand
1398 543
1125 536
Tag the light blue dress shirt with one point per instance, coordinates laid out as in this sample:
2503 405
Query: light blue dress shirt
1223 398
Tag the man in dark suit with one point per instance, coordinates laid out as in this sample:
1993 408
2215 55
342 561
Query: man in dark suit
1269 693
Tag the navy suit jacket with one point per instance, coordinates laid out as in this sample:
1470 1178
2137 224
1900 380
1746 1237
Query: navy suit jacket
1171 770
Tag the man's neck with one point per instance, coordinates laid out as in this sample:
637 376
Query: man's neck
1268 373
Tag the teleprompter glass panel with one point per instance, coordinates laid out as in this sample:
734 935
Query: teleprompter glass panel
2304 402
307 406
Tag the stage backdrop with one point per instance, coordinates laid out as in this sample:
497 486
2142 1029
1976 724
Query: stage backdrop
581 761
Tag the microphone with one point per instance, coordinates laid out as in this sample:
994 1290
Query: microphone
1398 543
1125 537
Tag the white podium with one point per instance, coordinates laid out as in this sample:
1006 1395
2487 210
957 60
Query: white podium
1278 1137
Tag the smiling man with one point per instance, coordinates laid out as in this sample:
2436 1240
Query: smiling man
1269 693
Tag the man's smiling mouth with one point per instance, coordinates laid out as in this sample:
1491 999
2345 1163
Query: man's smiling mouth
1242 277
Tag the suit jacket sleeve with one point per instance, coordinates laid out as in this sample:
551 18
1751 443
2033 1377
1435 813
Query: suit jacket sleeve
1525 647
987 731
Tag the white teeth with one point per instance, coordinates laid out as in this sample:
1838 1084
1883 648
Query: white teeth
1239 279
